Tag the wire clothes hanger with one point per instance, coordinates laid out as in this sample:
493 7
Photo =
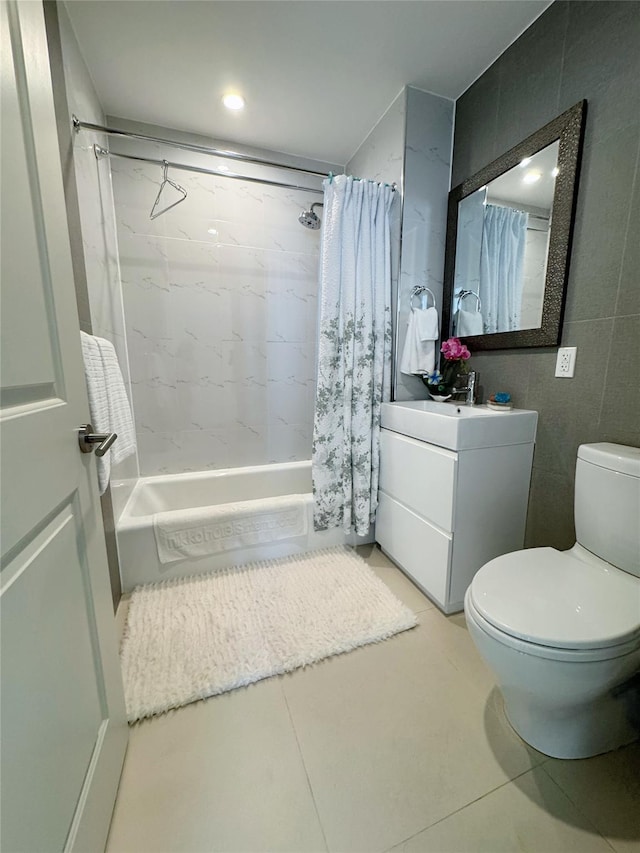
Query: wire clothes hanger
155 213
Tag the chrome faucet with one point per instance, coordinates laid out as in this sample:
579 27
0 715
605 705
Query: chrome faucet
469 389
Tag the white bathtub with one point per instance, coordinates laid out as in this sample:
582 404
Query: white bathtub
139 561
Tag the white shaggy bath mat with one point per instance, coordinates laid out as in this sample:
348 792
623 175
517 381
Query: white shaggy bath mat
195 637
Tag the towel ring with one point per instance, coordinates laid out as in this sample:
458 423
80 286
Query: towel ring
461 295
417 290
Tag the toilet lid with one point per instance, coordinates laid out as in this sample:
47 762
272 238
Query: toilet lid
553 598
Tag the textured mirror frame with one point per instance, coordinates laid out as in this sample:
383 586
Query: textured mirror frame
568 128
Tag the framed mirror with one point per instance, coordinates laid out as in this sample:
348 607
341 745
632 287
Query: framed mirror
509 230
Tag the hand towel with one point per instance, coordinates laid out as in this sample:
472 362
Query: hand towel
98 404
428 324
468 323
108 403
419 352
120 417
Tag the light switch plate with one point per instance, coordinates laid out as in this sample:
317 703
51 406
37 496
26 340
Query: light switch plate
566 362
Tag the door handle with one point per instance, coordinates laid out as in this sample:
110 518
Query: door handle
87 438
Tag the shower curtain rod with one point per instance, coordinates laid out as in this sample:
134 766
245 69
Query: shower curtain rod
103 152
188 146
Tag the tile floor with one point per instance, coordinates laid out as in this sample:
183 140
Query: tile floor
399 746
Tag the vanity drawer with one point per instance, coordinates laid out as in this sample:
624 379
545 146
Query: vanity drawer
419 475
415 545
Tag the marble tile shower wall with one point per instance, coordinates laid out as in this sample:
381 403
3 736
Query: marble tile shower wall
427 171
220 304
411 145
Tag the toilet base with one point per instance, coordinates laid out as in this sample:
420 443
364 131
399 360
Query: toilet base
581 733
563 705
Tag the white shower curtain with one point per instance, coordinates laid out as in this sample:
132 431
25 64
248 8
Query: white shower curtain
354 352
501 267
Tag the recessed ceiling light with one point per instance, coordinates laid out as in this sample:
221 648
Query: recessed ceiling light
531 176
555 172
524 162
233 101
212 231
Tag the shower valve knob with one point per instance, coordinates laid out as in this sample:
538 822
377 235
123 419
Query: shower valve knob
87 438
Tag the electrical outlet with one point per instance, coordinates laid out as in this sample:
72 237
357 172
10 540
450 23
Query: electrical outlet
566 362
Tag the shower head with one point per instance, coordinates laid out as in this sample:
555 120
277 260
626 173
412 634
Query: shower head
309 219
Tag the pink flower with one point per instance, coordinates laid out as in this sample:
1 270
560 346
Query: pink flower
453 350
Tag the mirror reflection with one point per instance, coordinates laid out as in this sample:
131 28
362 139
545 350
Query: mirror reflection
502 249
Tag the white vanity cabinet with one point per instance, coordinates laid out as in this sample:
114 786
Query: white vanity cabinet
444 512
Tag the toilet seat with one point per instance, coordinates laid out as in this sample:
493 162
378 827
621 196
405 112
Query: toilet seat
547 652
555 600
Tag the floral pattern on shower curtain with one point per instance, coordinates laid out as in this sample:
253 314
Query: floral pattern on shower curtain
354 352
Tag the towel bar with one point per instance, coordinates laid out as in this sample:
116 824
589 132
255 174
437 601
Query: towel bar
420 288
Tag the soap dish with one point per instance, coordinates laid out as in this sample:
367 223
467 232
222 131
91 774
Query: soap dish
499 407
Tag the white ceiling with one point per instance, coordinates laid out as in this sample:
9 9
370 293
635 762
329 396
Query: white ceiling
316 76
511 188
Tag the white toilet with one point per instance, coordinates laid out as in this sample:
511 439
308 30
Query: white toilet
561 629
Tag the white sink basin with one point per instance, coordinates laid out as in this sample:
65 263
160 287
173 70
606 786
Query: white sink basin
459 427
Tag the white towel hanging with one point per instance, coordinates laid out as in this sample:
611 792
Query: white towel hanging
419 352
468 323
108 403
428 324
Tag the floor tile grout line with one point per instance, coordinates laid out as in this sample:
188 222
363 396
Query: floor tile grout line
304 764
452 662
576 805
462 808
476 687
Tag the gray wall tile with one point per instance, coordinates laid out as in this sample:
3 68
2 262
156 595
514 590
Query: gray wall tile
574 50
474 141
620 410
569 408
530 79
602 63
601 221
550 518
504 371
628 301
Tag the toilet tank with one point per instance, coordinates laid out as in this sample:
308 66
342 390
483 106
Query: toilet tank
607 503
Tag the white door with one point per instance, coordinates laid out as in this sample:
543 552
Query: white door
63 724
